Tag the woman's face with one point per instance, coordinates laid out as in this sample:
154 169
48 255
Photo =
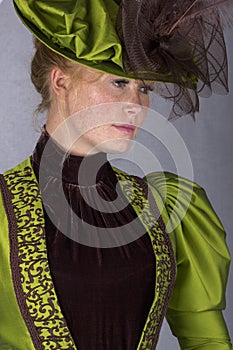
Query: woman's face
105 111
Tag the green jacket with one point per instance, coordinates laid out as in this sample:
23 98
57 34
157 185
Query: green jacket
197 262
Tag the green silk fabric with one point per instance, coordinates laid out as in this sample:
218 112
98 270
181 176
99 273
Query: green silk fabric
83 30
202 259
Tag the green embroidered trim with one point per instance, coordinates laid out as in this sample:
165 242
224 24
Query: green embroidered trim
165 262
47 327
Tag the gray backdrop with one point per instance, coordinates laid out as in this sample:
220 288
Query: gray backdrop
209 140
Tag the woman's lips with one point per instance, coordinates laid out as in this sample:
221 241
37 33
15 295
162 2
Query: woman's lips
127 129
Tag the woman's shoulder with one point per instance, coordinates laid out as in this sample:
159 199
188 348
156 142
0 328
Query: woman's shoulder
171 182
177 193
20 175
169 188
184 203
22 167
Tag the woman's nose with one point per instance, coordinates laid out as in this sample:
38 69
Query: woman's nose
131 108
132 103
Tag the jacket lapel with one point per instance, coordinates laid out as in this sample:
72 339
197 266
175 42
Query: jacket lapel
29 262
138 194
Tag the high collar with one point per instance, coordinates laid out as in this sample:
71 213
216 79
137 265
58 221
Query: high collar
77 170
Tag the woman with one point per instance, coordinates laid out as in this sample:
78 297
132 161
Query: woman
63 294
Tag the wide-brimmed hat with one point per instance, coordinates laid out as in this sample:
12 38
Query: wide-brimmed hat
178 43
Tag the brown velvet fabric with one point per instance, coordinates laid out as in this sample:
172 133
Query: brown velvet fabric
105 293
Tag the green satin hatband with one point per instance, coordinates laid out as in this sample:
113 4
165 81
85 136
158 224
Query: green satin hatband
83 31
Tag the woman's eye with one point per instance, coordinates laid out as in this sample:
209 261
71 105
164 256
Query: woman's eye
145 89
120 83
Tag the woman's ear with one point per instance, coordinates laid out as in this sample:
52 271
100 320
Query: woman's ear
60 81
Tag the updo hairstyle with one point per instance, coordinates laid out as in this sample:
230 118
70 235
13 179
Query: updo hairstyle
43 62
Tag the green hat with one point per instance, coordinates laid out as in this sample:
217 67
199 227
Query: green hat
81 30
174 42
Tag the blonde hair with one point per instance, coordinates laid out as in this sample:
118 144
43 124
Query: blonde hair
44 60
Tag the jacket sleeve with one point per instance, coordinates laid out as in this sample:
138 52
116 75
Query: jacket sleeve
202 258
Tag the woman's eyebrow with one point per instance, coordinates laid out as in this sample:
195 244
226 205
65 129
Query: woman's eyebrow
126 81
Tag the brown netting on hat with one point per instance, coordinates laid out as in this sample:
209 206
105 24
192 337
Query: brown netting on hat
178 43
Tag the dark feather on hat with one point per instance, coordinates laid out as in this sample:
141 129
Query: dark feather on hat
179 42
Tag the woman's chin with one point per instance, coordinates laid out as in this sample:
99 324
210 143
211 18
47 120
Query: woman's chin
115 146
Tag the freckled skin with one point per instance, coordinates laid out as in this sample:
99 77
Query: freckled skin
105 102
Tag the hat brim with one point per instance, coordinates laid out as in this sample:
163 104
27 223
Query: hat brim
108 67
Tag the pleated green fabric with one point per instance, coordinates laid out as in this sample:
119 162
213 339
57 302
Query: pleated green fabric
202 259
83 30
